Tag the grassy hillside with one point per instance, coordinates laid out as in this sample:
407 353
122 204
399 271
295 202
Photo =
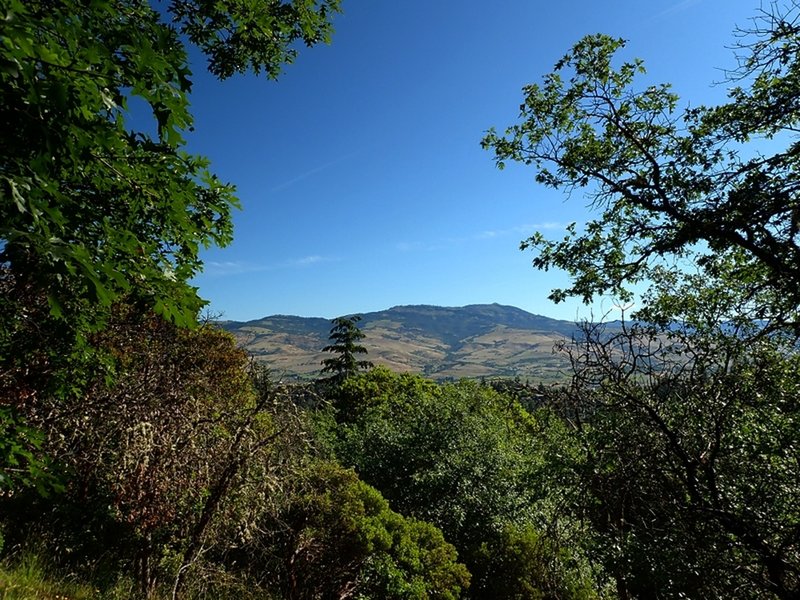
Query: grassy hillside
440 342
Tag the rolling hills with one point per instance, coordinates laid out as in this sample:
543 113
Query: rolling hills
482 340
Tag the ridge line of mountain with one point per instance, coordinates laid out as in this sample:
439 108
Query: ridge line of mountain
477 340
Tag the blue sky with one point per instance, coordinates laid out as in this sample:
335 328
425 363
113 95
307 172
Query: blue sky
360 173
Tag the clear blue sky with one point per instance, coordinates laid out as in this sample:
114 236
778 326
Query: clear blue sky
360 173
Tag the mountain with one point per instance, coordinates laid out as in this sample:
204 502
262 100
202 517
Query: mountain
488 340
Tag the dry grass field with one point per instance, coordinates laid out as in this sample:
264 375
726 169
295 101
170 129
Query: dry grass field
440 343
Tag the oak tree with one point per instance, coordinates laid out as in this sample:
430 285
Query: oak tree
688 419
98 207
672 185
94 205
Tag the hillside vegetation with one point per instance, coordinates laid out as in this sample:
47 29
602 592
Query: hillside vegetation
145 455
441 343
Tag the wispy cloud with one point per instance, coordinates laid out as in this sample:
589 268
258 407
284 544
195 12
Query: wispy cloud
310 172
486 235
518 230
308 261
675 8
238 267
230 267
413 246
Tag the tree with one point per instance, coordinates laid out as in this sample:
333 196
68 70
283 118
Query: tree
94 210
466 459
672 186
339 539
687 419
689 469
523 563
344 336
163 454
91 209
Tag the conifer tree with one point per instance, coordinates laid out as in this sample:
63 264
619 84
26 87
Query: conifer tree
344 337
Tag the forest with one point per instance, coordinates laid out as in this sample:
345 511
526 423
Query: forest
144 455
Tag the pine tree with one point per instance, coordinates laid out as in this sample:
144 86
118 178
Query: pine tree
344 336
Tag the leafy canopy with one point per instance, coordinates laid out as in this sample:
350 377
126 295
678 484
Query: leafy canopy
345 541
468 460
91 208
686 421
671 186
97 208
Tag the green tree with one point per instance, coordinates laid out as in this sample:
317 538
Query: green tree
466 459
687 420
344 338
688 469
94 211
523 563
91 209
671 186
339 539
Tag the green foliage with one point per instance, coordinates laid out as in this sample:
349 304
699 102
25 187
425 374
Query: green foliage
254 34
344 338
192 475
456 455
21 457
92 211
337 537
522 563
670 184
460 456
164 461
358 395
689 473
687 421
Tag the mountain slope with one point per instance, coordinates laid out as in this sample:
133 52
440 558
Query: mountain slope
440 342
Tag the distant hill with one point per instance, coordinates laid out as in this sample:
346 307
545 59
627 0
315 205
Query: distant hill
440 342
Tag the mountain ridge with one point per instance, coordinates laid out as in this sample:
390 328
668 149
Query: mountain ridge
477 340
